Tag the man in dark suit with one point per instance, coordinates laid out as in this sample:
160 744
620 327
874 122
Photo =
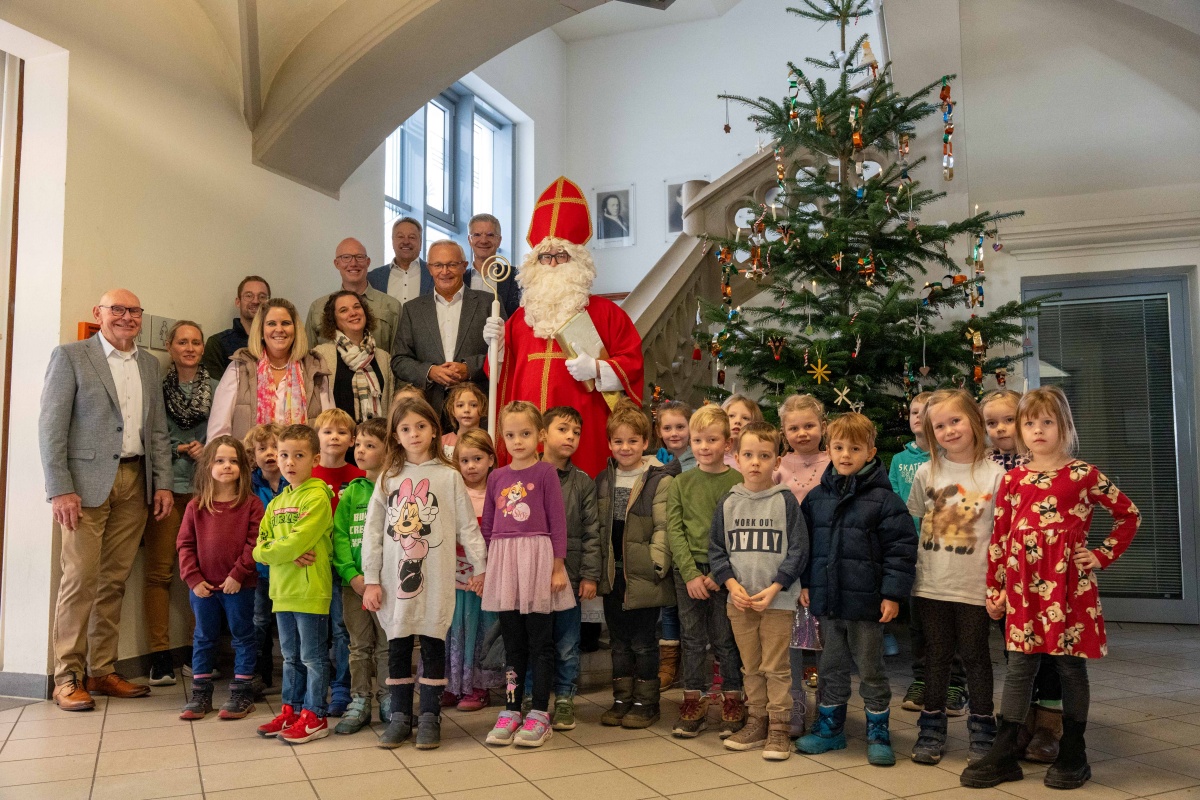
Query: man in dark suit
439 341
106 457
405 278
484 237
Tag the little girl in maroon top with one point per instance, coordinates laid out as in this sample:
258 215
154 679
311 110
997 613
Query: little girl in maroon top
216 539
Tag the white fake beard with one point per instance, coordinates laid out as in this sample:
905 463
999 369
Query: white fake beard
552 294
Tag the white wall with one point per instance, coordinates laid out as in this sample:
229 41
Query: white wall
642 108
161 197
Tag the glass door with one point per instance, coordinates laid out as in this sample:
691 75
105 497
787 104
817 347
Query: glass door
1119 347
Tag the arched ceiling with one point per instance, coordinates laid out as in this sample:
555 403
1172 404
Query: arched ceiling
325 81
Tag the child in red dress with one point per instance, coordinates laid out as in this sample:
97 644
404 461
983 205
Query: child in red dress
1042 575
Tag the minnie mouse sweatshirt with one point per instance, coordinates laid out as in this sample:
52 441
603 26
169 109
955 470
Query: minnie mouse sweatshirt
414 520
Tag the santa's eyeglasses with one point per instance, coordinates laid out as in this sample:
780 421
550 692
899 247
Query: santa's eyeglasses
561 257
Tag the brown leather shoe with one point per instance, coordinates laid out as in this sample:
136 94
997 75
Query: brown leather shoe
114 685
71 696
1048 730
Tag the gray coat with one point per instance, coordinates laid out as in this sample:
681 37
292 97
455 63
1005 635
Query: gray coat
79 429
418 343
583 560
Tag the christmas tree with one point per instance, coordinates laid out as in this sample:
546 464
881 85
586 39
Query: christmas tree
855 274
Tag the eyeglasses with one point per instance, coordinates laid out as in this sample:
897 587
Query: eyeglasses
250 297
361 258
561 257
447 265
119 311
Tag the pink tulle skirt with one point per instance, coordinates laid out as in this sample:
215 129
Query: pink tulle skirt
518 577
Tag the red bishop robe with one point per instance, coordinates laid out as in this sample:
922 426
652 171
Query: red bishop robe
534 370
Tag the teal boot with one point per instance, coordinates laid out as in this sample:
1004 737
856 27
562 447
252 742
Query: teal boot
879 739
828 732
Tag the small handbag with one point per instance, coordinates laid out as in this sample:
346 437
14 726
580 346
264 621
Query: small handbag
806 630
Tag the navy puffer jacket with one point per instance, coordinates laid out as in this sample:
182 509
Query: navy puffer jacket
864 545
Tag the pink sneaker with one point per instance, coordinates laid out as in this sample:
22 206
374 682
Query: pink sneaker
506 728
475 700
536 731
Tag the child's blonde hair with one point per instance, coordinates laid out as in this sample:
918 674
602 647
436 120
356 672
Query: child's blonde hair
394 457
922 399
707 415
477 438
519 407
204 483
763 431
756 414
965 404
626 413
261 434
334 417
458 389
803 402
1049 400
851 427
1000 395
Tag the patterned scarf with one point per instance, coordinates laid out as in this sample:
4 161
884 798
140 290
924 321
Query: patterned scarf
368 395
188 411
294 408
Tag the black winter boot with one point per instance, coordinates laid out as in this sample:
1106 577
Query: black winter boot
400 722
622 702
644 712
241 700
1000 764
1071 769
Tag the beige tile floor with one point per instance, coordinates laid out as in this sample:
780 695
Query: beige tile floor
1144 740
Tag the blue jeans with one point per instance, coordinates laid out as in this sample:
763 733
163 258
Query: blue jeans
566 654
210 612
850 644
669 621
304 640
340 642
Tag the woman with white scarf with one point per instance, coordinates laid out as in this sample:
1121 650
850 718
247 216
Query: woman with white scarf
362 373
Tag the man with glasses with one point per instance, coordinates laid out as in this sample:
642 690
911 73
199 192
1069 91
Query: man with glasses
405 278
252 292
350 259
439 341
106 457
484 237
539 361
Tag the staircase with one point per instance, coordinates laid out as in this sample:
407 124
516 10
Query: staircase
663 305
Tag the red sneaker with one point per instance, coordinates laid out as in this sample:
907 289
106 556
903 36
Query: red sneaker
287 718
308 727
474 700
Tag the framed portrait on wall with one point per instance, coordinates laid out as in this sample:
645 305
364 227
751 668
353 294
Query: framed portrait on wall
613 216
673 203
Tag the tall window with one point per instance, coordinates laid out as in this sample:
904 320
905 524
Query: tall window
449 161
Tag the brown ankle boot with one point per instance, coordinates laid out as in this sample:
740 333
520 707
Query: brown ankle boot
1047 731
668 664
778 746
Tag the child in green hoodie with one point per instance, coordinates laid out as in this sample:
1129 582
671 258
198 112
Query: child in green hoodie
294 541
368 640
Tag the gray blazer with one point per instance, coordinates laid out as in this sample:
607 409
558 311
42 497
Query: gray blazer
79 429
418 344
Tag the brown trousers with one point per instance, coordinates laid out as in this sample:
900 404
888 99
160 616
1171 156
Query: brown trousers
368 647
96 559
158 564
762 639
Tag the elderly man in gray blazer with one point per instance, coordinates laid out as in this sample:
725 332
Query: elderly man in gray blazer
439 341
107 458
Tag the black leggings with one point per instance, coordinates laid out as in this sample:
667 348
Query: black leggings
433 659
950 628
1022 673
528 642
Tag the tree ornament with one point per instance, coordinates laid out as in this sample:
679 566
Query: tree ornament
948 129
819 119
727 127
776 344
819 371
837 261
1001 377
868 57
842 396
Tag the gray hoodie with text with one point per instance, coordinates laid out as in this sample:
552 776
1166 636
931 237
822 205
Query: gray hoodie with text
760 538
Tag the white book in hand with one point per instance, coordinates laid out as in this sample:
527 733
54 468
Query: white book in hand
579 335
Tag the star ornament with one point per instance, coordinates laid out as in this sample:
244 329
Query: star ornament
843 396
820 371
